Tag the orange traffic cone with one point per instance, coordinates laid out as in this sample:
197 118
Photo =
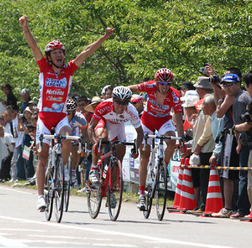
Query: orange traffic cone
187 197
214 202
178 186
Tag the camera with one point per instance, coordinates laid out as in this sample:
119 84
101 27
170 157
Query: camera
21 115
214 79
203 69
246 117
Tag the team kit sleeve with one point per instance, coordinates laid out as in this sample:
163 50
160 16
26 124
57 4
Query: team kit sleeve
99 111
177 108
135 120
146 86
42 64
72 66
81 120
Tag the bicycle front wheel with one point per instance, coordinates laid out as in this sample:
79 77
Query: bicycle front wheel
148 195
94 198
59 189
161 190
48 189
68 185
115 189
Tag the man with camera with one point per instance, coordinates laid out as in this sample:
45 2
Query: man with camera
228 155
232 86
246 126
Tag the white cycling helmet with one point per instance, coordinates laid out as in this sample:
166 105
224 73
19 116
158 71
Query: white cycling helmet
122 93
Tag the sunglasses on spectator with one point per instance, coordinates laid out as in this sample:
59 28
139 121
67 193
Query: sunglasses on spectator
80 105
121 102
166 83
134 103
227 84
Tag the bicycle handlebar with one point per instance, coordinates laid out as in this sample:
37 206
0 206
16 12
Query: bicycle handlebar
59 137
161 137
117 142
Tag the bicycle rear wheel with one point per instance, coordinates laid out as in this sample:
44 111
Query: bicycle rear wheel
161 190
148 195
49 193
94 198
115 188
59 189
68 185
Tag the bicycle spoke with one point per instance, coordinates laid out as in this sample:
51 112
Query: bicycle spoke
94 199
115 189
161 190
49 193
59 190
68 186
148 196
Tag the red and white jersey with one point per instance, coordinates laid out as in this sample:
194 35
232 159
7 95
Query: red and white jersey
105 110
172 100
54 88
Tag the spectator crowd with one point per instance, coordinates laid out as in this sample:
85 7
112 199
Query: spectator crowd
217 123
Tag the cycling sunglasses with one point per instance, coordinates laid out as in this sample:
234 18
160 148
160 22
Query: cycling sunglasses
166 83
121 102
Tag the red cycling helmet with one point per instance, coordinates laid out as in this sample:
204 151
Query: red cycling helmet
164 75
53 45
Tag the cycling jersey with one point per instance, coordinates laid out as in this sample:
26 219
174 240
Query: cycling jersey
54 88
78 122
172 100
106 110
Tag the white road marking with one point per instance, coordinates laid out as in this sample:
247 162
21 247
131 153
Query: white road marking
19 191
110 232
11 242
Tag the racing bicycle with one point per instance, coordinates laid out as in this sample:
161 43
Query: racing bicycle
157 189
110 182
55 185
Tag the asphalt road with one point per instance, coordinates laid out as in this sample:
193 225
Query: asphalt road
21 225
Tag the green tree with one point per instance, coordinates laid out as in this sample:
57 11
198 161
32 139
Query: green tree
179 35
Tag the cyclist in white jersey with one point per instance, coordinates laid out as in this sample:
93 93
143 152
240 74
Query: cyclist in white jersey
78 125
115 111
54 81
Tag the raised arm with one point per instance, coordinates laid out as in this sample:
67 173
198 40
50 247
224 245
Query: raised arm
93 47
30 39
133 88
224 106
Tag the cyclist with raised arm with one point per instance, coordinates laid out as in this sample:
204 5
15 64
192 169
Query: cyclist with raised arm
156 116
55 80
115 111
78 125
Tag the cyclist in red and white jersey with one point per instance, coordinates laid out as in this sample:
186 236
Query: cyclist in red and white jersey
157 116
115 111
55 80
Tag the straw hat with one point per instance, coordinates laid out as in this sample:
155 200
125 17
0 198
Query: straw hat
94 102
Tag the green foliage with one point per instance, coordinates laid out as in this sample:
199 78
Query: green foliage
179 35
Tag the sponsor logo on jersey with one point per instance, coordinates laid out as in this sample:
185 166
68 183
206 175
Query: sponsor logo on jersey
151 85
158 107
175 98
59 83
55 92
54 98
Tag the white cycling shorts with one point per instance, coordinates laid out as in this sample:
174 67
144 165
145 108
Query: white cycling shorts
42 129
166 127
